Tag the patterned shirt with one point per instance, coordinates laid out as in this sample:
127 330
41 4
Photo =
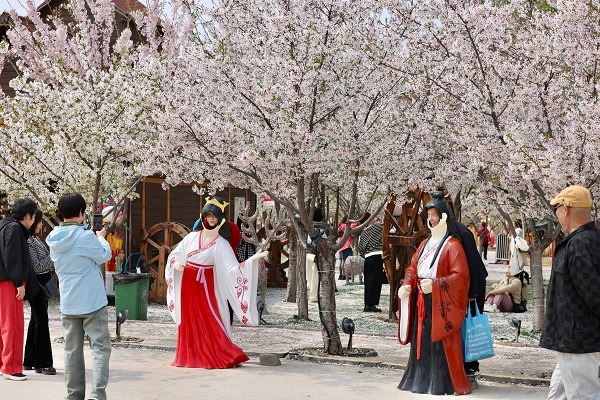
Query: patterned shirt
40 256
370 240
245 250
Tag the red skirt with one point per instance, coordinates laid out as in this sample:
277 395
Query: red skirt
202 341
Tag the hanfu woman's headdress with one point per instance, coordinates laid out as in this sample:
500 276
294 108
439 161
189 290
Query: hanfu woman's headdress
438 201
215 206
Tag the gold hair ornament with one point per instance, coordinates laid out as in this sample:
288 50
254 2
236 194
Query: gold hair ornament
214 201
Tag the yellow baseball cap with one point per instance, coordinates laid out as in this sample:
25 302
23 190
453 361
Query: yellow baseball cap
573 196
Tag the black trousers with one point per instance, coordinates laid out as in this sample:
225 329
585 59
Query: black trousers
373 281
38 348
485 248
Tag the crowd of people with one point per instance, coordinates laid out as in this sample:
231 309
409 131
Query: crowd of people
212 277
27 270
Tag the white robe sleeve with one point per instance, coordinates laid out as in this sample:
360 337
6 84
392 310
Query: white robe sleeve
237 283
173 277
404 318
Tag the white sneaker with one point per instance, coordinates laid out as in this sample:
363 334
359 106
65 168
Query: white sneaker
16 377
490 308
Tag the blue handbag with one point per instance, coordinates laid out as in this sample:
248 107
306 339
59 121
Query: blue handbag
476 336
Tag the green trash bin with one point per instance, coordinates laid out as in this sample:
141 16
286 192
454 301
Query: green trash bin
131 294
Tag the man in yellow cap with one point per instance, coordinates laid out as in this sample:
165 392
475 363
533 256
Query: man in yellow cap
572 325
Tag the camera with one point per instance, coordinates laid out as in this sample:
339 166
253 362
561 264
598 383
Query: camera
97 222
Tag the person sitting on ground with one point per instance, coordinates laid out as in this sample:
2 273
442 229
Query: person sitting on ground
506 295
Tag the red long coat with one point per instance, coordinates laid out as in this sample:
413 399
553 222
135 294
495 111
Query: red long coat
449 306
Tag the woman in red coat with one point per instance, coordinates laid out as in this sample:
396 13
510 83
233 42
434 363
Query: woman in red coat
433 304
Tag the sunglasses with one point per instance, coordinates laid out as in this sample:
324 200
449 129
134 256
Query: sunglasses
557 206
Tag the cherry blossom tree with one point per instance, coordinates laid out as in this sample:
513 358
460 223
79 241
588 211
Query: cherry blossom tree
510 99
79 120
283 97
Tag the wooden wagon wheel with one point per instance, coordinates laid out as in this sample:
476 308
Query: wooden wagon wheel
399 247
157 244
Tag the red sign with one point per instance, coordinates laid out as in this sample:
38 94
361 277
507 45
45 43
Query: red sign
268 201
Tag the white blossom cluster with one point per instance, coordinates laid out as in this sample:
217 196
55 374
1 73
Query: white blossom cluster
278 95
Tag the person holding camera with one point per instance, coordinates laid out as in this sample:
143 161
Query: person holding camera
77 253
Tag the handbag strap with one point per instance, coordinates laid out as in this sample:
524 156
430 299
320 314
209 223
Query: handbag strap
469 316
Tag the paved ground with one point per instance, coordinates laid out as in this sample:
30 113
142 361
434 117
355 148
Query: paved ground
146 374
142 370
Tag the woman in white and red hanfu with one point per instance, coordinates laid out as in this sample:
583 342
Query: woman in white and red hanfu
432 307
202 275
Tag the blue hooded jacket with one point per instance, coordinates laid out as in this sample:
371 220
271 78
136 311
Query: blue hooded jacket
76 253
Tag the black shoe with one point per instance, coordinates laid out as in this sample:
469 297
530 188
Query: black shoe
371 309
342 278
15 377
472 372
46 371
26 368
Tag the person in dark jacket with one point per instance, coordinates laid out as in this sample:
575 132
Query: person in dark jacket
14 270
572 323
477 275
477 278
38 347
484 237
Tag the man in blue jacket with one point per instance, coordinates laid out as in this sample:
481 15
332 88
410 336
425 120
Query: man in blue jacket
572 324
76 253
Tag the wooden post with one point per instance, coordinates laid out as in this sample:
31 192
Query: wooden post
143 207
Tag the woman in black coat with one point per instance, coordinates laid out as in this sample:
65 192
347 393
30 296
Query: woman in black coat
38 348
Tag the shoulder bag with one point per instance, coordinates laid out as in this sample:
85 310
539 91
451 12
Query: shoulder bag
476 337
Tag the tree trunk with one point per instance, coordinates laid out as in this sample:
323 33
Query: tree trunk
290 294
325 259
541 240
96 196
96 208
537 284
301 296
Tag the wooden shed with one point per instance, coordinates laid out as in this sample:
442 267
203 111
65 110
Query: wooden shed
160 218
